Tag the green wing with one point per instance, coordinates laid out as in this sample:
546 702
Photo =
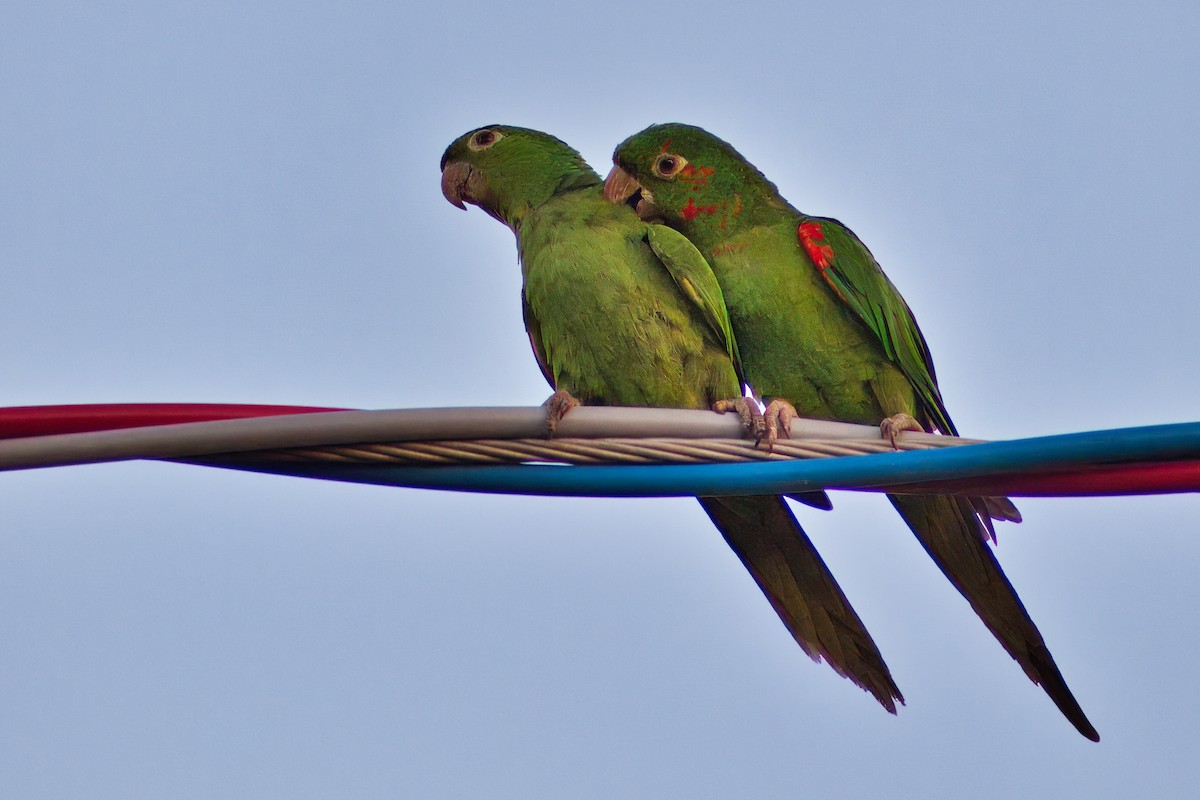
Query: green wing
855 276
698 283
534 329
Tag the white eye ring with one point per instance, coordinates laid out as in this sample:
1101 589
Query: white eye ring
668 165
482 140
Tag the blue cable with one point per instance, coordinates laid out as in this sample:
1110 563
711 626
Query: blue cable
1064 452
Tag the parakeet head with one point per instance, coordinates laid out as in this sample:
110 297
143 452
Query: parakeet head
506 170
687 177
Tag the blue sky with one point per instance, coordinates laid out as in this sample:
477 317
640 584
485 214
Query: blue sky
240 203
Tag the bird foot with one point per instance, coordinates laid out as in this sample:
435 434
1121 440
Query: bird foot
746 408
766 426
778 419
557 406
894 425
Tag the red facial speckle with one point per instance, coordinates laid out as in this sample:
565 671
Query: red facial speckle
696 175
811 236
691 210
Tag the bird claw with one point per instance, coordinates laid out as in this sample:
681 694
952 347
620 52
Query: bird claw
778 419
746 408
557 406
894 425
764 426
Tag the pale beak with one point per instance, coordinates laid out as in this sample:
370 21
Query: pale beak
619 186
454 182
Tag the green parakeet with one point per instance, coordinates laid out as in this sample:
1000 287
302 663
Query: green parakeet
624 313
822 329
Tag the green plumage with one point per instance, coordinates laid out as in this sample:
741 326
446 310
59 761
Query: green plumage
620 312
580 261
820 326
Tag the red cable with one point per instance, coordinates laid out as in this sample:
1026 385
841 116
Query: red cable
20 421
1161 477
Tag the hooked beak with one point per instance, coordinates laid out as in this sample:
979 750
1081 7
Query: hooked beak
621 187
456 179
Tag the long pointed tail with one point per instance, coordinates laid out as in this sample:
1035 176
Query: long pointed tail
782 559
954 537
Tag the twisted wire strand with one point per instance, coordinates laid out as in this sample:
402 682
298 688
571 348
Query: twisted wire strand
595 451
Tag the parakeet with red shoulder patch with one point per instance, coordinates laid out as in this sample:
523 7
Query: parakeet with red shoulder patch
824 334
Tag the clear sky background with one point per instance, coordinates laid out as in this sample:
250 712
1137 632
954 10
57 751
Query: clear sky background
239 202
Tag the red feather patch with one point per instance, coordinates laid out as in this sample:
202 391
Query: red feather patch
811 236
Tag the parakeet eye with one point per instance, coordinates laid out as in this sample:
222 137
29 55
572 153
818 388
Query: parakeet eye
484 139
668 165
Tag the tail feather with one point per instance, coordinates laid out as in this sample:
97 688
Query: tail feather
817 499
785 564
954 536
999 508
